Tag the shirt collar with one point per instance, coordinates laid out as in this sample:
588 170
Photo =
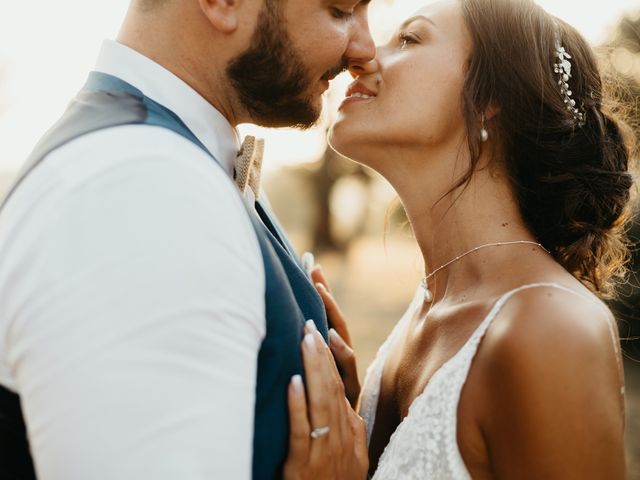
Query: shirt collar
162 86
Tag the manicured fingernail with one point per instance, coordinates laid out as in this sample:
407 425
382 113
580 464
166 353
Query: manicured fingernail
311 326
310 342
296 381
335 337
308 261
320 286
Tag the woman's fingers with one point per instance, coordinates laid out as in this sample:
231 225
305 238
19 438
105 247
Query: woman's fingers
336 318
299 423
331 455
360 448
326 397
346 362
317 276
338 404
318 377
334 314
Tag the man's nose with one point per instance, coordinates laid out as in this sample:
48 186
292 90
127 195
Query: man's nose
361 48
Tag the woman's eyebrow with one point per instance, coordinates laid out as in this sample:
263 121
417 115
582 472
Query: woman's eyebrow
407 22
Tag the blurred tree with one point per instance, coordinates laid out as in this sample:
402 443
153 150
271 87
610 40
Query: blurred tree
322 179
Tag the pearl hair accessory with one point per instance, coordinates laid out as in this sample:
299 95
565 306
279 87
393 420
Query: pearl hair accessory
563 69
428 295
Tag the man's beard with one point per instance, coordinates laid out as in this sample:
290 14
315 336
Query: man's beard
270 78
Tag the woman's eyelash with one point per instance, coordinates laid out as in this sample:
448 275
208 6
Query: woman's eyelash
406 39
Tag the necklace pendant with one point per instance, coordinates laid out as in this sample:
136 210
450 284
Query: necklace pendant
428 296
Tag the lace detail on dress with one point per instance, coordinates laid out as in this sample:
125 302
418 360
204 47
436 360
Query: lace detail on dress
424 446
373 377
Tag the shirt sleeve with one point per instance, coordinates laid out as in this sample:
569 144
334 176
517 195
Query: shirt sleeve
137 316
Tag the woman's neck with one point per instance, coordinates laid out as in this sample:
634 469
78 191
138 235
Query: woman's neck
483 212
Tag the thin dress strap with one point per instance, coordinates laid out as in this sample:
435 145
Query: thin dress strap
609 318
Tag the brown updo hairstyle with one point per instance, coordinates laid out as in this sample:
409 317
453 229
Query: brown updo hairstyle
572 183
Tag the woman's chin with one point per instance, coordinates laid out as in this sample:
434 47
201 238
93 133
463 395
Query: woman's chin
343 140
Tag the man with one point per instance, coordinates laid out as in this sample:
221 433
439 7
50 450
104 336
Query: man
150 316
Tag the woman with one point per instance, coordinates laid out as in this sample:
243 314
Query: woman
487 118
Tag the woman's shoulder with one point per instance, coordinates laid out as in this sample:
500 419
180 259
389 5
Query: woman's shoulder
552 338
552 317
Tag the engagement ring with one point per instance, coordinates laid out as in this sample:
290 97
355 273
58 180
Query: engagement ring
320 432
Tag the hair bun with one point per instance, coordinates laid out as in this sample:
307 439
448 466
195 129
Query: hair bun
612 179
584 184
592 196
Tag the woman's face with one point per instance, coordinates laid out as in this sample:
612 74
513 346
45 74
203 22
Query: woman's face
410 95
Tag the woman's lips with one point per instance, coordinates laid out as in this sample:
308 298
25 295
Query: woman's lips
356 98
357 92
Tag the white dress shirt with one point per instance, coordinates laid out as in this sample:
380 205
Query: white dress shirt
132 298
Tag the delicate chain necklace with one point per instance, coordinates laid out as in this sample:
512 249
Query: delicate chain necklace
428 296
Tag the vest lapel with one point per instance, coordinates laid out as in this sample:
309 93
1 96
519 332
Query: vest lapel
306 295
273 229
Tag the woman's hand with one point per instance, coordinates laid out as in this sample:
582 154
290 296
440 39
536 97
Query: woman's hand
327 438
339 338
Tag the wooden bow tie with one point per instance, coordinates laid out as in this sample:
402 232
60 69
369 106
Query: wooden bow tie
248 164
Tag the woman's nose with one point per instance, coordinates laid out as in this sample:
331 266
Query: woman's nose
357 67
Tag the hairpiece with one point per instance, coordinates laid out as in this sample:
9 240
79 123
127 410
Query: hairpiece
563 69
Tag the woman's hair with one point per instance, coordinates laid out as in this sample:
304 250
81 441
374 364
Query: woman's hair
572 182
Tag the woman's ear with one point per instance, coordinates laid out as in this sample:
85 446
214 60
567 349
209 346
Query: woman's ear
222 14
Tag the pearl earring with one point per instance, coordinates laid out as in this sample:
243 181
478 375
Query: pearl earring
484 134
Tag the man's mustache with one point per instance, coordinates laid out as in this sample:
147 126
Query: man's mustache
335 71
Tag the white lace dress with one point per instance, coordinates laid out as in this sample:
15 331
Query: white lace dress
424 445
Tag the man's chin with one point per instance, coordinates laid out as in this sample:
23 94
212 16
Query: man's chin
301 115
297 123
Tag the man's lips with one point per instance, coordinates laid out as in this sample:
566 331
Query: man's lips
330 75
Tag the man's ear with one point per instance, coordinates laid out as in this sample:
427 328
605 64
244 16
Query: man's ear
223 14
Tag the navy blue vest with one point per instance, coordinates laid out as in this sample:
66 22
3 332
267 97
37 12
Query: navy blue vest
106 102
